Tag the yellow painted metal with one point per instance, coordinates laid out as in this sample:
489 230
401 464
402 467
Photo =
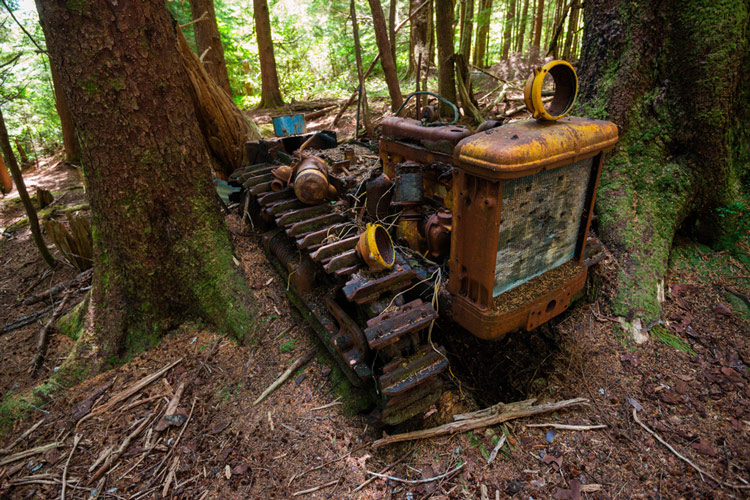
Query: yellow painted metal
376 255
525 147
565 95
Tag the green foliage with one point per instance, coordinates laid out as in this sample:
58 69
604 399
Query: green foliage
739 214
667 337
287 346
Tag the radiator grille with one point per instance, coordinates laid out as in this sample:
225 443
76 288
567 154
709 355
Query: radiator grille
540 221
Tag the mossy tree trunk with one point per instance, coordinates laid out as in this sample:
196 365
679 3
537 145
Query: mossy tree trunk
671 75
162 254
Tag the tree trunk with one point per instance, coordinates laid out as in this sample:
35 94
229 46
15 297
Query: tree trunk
208 41
10 158
572 27
360 74
537 40
467 29
483 32
386 55
270 95
418 40
161 251
671 77
509 17
558 31
446 74
392 29
522 27
70 141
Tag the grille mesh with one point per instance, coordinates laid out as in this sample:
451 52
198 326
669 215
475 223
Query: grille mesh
540 221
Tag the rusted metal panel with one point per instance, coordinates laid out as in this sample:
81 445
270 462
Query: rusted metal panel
525 147
390 327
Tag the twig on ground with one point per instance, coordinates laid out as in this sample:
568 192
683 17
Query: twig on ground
337 401
313 490
125 394
76 440
284 376
569 427
116 455
496 449
177 441
685 459
28 453
51 292
326 464
510 411
418 481
5 451
41 344
382 471
21 322
102 457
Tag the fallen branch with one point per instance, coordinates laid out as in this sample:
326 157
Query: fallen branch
76 440
382 471
507 412
6 450
177 441
41 344
55 290
317 114
687 460
133 389
203 17
418 481
126 442
496 449
569 427
25 320
317 488
284 376
28 453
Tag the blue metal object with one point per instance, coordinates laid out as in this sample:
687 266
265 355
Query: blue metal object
288 125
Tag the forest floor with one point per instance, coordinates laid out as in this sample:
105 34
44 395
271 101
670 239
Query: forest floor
689 384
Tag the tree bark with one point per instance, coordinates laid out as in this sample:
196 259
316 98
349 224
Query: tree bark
270 95
483 32
208 41
445 50
509 18
360 73
572 27
162 254
386 55
537 40
467 29
393 4
522 27
418 35
10 159
70 141
671 77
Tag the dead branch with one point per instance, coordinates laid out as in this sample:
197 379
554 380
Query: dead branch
126 442
21 322
284 376
6 450
41 344
687 460
76 440
569 427
29 453
125 394
55 290
418 481
202 18
508 412
317 488
496 449
382 471
319 113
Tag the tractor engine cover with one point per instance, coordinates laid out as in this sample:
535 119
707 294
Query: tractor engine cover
532 185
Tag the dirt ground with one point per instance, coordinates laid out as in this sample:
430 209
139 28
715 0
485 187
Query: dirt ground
688 384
